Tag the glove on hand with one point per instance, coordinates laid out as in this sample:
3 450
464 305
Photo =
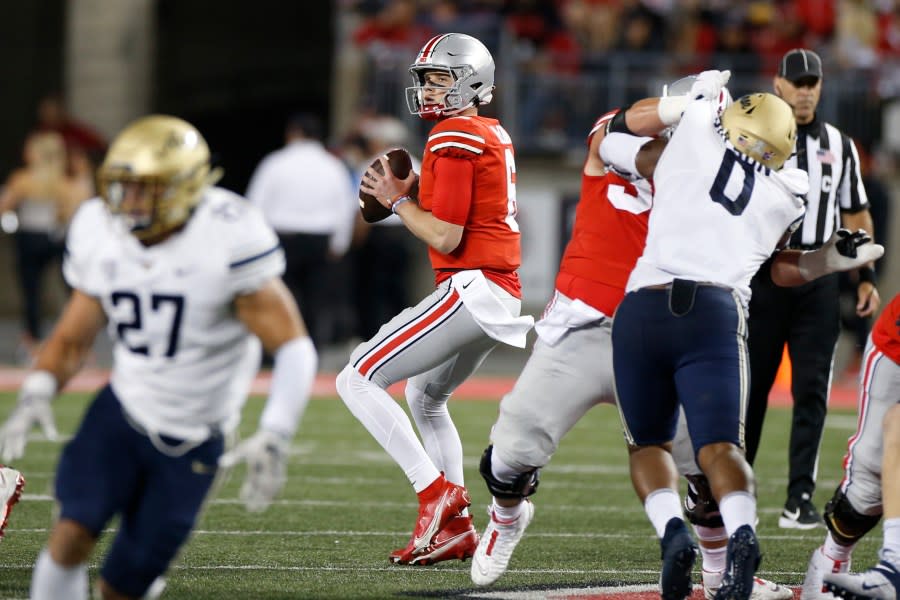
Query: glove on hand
708 84
845 250
33 408
265 453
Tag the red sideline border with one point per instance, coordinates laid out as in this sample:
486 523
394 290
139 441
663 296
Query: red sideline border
843 393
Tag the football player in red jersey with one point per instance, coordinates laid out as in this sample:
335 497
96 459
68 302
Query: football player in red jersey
572 358
465 211
870 487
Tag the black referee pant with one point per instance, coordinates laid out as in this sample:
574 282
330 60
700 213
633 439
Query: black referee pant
807 318
307 274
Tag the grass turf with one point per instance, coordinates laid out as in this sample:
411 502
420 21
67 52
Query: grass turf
347 505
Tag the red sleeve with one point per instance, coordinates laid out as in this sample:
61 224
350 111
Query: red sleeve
453 179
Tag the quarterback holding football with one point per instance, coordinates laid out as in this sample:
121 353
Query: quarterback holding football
465 210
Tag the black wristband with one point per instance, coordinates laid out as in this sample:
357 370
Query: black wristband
867 274
617 124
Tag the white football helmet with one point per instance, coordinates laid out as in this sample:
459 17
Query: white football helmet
465 59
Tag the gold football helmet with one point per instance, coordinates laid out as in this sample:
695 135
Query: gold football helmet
762 126
168 160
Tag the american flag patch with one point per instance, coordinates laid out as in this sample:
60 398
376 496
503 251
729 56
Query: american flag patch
825 156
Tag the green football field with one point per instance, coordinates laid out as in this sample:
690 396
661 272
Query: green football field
347 505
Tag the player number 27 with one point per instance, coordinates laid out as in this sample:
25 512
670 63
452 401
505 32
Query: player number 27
157 301
717 192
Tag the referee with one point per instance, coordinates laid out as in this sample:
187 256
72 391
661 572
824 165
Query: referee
807 317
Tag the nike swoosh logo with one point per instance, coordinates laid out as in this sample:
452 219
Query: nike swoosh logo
420 543
792 515
866 586
465 285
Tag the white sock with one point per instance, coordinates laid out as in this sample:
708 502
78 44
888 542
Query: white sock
388 424
713 579
439 435
890 550
506 514
51 581
738 509
834 551
713 558
662 506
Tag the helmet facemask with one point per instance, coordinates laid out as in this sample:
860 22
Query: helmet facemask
154 175
465 61
452 102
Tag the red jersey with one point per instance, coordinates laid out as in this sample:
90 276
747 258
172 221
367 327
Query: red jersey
886 331
608 236
490 240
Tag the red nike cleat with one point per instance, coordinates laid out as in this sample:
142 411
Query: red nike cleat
11 484
438 503
458 539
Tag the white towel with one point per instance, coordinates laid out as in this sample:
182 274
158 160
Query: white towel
565 314
488 311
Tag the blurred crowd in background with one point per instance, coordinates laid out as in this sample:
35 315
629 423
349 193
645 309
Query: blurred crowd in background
559 59
561 63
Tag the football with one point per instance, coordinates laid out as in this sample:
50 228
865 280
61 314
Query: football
400 163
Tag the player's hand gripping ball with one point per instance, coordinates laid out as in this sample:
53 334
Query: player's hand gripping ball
400 164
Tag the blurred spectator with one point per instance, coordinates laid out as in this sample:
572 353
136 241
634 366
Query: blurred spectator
395 24
889 29
383 256
778 29
42 198
52 116
306 196
478 19
81 183
734 52
551 65
641 30
857 35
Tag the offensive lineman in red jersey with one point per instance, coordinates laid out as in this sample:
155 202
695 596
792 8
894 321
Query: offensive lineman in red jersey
571 362
465 212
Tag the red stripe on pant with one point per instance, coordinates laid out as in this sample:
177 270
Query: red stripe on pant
869 361
388 345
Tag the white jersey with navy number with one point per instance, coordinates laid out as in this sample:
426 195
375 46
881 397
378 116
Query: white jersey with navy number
717 214
183 363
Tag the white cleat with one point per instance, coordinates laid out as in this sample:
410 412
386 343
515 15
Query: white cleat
497 545
819 565
881 581
763 589
11 484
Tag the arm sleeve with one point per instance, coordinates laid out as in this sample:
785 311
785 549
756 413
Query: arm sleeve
292 380
453 181
618 151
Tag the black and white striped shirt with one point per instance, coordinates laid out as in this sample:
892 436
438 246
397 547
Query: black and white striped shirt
835 184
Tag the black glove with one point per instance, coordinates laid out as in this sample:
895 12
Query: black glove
849 241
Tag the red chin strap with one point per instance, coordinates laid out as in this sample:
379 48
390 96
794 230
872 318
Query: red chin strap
431 112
